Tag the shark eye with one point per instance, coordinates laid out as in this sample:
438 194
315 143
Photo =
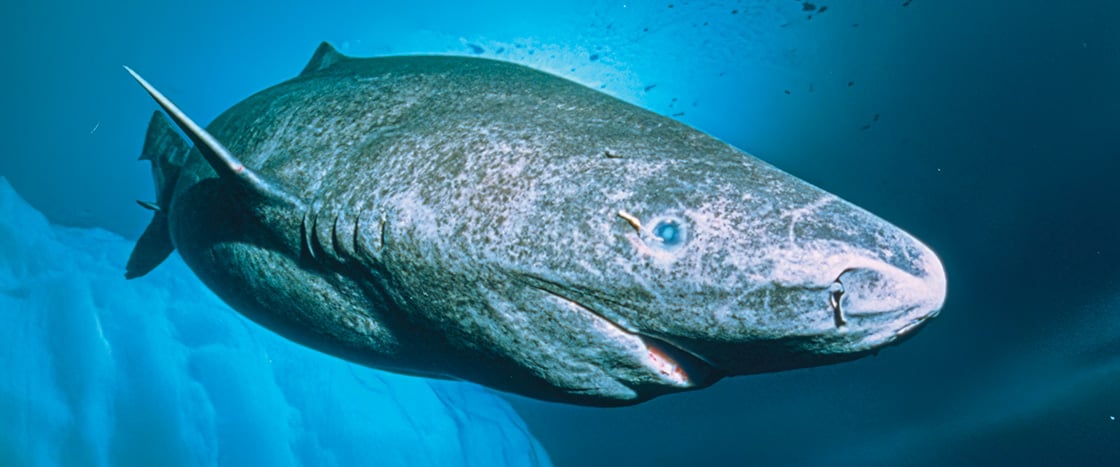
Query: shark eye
669 234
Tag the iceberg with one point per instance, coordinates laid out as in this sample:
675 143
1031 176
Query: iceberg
99 371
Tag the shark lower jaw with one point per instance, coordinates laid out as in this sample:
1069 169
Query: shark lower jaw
707 361
669 367
905 327
681 368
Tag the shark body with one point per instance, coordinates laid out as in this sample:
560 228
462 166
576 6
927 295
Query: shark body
473 219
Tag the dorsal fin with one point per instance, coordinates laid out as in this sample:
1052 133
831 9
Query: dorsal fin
225 164
325 56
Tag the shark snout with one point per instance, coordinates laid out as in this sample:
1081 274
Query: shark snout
928 294
889 301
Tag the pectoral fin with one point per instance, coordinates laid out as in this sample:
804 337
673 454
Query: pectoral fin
220 159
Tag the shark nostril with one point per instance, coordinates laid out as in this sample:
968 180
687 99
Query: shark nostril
835 294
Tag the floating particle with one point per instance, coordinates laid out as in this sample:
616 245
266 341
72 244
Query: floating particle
678 114
855 25
734 12
810 87
875 118
650 87
906 3
808 6
851 83
787 91
670 5
865 127
476 49
645 29
500 50
593 57
822 9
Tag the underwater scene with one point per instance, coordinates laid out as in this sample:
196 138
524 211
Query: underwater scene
579 233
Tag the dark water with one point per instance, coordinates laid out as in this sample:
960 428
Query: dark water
990 130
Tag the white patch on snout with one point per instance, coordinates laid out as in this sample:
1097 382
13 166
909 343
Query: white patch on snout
815 264
880 290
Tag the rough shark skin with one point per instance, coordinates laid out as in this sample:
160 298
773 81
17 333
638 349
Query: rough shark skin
468 218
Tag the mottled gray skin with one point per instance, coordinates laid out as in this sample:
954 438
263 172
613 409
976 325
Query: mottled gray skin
459 217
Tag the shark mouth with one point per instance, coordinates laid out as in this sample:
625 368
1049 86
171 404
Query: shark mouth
673 366
678 365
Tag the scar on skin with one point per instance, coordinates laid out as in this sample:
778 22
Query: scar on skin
634 222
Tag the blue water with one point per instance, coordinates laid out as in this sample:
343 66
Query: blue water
102 371
990 130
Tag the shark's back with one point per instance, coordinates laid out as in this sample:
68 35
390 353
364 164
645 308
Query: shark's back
365 122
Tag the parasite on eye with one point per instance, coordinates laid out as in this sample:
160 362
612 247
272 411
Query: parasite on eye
634 222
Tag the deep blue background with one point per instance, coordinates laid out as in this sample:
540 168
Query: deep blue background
997 143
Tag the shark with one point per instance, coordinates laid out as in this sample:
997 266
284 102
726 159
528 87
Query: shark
473 219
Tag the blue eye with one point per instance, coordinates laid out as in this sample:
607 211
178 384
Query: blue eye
669 233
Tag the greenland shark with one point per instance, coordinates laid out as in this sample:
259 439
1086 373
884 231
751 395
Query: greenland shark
473 219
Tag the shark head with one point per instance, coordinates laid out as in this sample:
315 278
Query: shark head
753 271
652 258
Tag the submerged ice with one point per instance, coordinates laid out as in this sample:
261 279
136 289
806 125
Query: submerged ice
103 371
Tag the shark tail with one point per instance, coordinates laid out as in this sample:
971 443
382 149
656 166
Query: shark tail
167 151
